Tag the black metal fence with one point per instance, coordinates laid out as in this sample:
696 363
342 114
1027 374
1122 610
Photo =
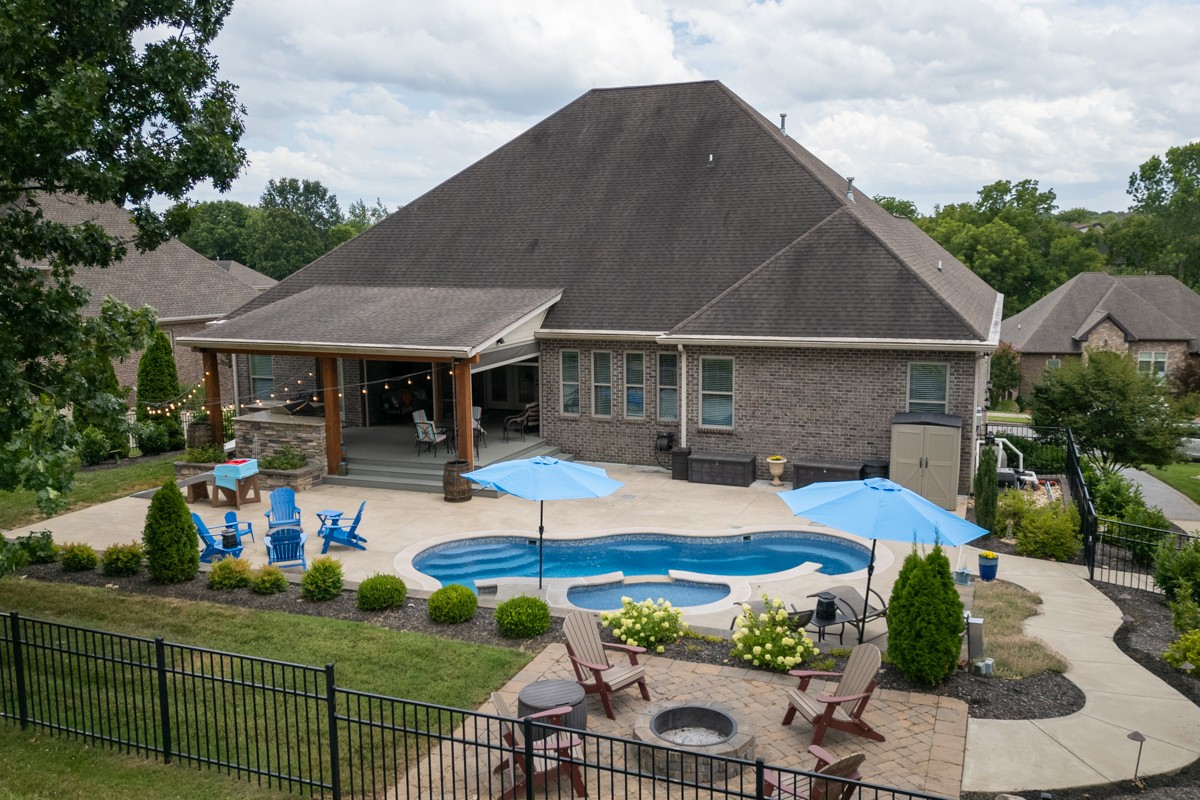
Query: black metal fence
289 726
1123 553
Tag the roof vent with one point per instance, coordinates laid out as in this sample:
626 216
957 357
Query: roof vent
939 265
850 189
783 124
710 159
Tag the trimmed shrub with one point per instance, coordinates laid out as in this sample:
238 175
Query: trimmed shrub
452 605
925 620
1185 611
1178 567
1012 506
229 573
39 547
151 439
1050 532
208 454
123 559
172 544
157 380
105 410
93 446
1114 495
986 489
323 580
268 580
768 640
647 624
381 592
1142 542
77 557
288 457
523 617
12 556
1184 649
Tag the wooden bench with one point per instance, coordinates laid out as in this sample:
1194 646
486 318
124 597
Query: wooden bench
723 469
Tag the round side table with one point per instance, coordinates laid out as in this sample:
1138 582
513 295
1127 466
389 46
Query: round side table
543 695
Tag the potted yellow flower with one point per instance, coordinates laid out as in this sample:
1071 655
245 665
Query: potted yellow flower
988 562
776 464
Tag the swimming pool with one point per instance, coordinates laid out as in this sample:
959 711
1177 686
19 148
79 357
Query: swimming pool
607 596
468 560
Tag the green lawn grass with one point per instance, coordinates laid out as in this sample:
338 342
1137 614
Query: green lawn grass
18 508
1002 417
1184 478
42 767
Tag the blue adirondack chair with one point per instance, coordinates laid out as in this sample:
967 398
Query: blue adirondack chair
335 530
214 548
283 513
239 527
285 547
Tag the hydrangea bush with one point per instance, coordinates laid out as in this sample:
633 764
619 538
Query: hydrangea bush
648 624
768 640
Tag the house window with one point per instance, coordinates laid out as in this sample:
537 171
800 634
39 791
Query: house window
602 384
668 386
716 392
570 381
1053 363
927 387
1153 362
262 377
635 385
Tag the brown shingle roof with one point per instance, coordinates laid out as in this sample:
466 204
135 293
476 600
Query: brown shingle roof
648 203
1146 307
174 280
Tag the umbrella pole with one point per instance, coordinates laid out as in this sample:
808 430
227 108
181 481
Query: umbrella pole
862 628
541 532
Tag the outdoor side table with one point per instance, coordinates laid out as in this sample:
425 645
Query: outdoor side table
543 695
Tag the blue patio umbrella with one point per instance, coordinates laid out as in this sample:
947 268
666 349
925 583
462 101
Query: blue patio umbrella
879 509
543 478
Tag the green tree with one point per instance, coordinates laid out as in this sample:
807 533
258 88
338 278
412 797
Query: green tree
105 410
359 217
1005 375
1120 417
1167 190
113 102
1134 245
309 199
172 544
282 241
925 620
220 230
898 207
986 489
158 391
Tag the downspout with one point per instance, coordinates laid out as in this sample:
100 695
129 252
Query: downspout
683 393
236 394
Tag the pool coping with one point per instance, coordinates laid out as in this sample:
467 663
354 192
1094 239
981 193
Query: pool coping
555 590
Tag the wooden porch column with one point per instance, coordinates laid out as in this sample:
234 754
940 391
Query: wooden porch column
333 417
212 397
464 419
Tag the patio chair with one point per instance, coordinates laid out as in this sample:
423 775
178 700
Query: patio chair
804 787
843 709
335 530
552 755
241 528
528 418
214 548
285 548
283 513
851 603
593 670
429 437
477 425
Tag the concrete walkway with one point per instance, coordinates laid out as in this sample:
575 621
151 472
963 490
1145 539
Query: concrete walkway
1091 745
1178 507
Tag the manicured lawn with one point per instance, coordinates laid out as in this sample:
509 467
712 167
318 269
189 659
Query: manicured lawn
1184 478
38 766
1004 607
18 508
1002 417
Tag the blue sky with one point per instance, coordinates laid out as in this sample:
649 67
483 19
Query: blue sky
927 101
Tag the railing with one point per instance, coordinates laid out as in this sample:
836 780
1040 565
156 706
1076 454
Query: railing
1123 553
289 726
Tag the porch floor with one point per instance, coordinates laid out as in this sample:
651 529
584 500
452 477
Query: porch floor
396 443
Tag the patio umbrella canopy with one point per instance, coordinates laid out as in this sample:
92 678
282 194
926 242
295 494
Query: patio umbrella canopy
879 509
543 478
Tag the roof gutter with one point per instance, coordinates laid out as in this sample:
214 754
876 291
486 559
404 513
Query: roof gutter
616 336
962 345
262 347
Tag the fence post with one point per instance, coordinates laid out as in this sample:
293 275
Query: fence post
335 773
527 731
164 706
759 777
19 668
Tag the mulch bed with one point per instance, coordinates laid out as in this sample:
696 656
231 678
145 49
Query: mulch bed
1038 697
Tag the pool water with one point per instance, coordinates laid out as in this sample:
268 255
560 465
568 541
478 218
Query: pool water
468 560
607 596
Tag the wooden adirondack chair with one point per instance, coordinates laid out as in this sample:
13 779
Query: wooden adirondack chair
803 787
593 670
844 708
214 548
283 513
552 756
335 530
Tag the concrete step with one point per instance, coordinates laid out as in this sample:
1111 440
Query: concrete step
413 476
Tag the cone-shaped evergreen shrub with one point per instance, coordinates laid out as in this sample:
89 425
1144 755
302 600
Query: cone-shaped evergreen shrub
172 545
158 383
986 489
925 619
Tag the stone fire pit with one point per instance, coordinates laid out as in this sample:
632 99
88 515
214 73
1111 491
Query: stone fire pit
696 732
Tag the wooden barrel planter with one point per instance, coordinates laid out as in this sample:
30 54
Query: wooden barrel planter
456 488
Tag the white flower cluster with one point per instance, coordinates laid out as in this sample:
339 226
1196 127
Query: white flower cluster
647 624
768 640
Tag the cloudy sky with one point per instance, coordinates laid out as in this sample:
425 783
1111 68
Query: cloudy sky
922 100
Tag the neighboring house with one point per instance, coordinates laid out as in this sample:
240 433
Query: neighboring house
1154 318
252 278
647 259
184 288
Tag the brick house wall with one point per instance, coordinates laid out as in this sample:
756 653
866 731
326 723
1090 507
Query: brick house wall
1104 336
805 404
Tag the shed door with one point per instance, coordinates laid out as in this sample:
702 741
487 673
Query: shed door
940 484
908 452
